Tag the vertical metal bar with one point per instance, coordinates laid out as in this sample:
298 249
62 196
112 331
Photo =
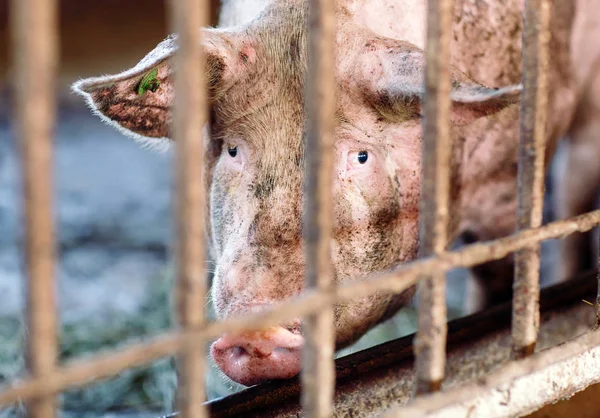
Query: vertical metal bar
597 325
318 372
190 115
35 56
430 342
530 180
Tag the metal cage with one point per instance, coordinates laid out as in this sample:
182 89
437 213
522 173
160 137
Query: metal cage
36 67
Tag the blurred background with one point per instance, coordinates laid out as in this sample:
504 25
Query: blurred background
114 220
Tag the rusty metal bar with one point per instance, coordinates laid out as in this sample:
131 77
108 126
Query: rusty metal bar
80 372
190 115
597 325
530 180
318 369
430 342
35 57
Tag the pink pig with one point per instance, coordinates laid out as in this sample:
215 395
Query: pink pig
255 151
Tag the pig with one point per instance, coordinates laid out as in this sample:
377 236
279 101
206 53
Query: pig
577 173
256 65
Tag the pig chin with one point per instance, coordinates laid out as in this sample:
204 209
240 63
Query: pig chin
243 287
273 353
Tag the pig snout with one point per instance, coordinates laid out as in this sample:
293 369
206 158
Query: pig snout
252 357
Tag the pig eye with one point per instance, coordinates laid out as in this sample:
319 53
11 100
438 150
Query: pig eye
357 159
236 157
362 157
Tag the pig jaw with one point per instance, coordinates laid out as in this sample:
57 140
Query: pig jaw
275 353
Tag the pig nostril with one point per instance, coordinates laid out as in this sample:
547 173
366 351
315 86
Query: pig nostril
239 352
469 237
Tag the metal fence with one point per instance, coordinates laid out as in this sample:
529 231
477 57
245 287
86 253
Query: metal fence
35 69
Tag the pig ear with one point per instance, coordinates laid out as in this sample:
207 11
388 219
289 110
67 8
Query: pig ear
471 101
399 91
139 101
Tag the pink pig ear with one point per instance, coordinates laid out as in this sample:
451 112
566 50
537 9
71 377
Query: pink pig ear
393 79
471 101
139 101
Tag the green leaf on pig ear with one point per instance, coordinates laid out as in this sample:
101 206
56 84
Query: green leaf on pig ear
124 102
148 82
140 105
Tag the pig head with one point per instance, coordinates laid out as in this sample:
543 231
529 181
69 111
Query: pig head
255 166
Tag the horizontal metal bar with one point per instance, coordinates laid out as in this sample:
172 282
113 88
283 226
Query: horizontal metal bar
555 373
84 371
404 276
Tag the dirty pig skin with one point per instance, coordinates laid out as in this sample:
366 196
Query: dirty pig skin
256 65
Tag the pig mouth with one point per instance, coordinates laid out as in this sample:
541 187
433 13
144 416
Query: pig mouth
254 357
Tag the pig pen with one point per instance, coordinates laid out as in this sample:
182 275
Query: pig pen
131 248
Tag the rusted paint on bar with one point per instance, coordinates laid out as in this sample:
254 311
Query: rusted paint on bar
81 372
318 370
430 342
35 58
187 17
530 181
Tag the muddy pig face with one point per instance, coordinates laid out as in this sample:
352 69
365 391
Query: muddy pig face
255 167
